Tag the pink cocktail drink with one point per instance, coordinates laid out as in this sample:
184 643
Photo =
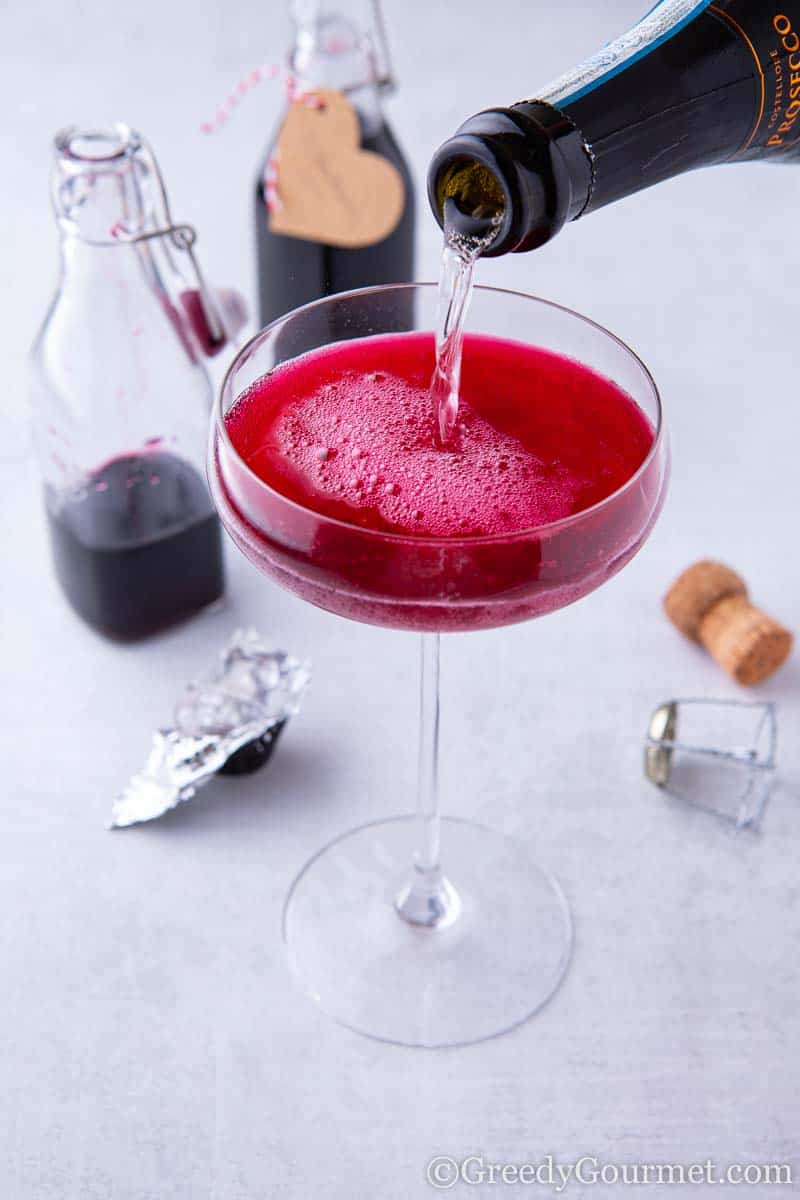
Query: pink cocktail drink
333 483
326 471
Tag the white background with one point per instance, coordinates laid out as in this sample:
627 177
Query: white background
151 1044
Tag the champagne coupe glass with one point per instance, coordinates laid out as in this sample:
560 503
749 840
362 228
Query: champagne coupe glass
427 930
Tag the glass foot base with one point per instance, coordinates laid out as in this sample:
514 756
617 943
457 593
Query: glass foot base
488 971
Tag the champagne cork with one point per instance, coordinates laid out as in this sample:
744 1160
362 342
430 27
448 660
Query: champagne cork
709 603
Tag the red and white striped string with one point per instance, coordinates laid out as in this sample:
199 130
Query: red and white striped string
294 94
271 194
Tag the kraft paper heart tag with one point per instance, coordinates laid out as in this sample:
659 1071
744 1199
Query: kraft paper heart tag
329 189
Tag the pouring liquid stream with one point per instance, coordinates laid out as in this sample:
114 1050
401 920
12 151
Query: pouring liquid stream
465 240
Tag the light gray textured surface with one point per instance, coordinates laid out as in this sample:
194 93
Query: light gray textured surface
151 1044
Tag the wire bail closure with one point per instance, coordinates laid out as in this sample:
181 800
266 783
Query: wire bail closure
718 755
385 76
182 236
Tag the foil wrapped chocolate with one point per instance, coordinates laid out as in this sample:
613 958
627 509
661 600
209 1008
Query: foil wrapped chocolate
224 723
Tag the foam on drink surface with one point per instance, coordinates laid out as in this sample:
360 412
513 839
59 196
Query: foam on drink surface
346 431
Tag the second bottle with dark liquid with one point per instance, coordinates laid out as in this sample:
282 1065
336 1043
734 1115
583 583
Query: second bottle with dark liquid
334 203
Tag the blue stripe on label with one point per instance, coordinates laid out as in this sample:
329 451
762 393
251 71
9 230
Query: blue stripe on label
641 53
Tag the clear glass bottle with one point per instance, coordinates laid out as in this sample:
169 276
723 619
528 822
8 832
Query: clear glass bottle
121 396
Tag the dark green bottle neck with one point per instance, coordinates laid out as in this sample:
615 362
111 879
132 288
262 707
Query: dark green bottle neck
536 160
717 90
697 82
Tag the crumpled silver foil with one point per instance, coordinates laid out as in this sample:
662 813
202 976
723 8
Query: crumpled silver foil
244 702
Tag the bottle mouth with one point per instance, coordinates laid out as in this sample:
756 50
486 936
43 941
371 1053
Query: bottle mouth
96 146
531 155
470 192
99 182
471 197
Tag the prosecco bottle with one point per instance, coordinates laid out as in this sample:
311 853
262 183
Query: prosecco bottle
334 203
696 82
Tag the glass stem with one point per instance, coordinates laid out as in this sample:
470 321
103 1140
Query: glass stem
427 898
